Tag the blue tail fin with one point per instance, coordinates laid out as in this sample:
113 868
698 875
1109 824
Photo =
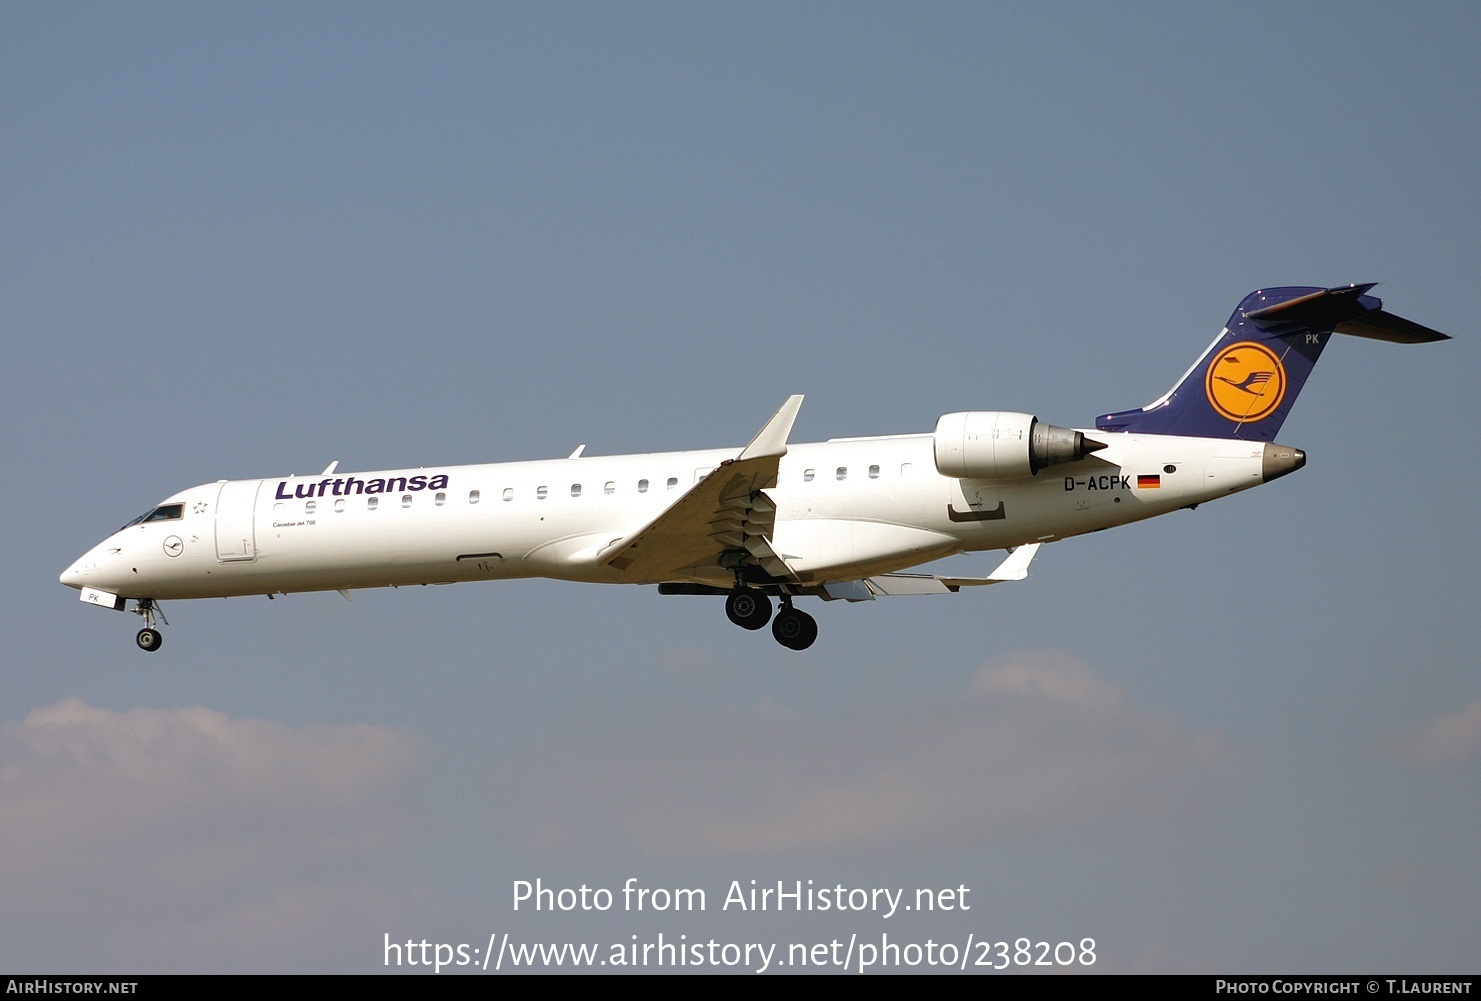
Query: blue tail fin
1245 384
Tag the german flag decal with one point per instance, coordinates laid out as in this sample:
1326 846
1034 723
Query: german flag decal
1148 481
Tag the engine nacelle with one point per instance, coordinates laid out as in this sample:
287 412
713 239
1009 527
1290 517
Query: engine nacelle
1000 445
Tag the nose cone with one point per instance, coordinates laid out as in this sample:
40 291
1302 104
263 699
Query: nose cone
1279 460
76 574
91 568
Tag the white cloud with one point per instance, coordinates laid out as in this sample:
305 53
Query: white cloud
121 825
1452 737
1039 741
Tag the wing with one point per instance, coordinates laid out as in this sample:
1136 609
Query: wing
726 512
1015 567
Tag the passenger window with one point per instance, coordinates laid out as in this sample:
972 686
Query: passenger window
440 499
575 490
541 493
610 488
904 469
673 482
874 472
509 493
473 496
842 473
808 474
339 506
642 486
372 503
406 500
310 507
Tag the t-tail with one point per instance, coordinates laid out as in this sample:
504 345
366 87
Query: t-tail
1245 384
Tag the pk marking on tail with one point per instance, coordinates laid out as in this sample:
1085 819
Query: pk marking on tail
844 518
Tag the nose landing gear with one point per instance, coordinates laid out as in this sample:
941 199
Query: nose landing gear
150 639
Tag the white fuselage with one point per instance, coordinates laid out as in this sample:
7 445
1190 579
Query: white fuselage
845 509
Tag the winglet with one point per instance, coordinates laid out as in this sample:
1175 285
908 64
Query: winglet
1015 567
772 439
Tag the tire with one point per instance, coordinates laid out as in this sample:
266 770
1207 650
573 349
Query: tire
747 608
794 630
149 640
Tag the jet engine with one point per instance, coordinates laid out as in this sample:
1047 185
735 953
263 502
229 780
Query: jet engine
1000 445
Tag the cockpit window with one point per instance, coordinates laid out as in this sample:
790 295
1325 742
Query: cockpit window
165 512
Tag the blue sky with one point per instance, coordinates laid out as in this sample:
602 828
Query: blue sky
248 242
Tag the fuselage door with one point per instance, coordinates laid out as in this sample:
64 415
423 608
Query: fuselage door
236 541
976 501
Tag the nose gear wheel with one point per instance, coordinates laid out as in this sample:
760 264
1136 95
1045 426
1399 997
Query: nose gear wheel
150 639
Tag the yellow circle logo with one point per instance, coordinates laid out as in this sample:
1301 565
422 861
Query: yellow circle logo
1245 382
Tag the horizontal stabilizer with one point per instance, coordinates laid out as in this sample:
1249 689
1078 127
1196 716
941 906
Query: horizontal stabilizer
1382 325
1343 310
1321 309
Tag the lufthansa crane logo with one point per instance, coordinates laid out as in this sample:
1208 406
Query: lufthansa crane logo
1245 382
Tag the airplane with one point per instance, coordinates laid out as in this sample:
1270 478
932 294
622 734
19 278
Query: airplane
846 518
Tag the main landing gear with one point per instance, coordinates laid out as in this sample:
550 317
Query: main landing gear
150 639
793 629
751 609
748 609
